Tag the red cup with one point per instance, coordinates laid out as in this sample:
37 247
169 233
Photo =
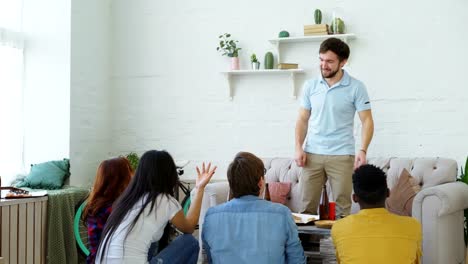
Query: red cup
332 210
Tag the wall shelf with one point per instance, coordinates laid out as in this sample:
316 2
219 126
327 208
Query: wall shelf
319 38
292 74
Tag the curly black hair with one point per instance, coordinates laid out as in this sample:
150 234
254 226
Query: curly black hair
370 184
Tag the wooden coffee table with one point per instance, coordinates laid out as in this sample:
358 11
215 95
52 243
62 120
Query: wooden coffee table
310 237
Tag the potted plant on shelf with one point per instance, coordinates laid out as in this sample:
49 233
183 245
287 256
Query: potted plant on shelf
464 178
255 62
229 48
133 159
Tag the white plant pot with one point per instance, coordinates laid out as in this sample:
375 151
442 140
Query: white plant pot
255 65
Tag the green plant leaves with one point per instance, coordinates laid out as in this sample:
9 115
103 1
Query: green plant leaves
464 178
228 46
133 159
253 58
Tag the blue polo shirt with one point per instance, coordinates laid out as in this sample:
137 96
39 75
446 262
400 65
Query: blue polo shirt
331 122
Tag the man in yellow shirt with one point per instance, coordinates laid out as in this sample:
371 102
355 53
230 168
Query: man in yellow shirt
375 235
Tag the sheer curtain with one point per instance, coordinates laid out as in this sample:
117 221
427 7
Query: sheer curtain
11 90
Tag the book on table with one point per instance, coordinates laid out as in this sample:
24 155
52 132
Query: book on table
304 218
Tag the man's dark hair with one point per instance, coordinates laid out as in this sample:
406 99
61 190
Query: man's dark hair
244 173
370 184
337 46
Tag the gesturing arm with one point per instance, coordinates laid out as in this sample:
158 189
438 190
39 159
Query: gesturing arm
301 132
367 132
187 223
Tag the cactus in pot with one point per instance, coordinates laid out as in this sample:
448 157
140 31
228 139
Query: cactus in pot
254 61
318 16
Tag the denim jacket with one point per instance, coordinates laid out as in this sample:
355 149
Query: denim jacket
251 230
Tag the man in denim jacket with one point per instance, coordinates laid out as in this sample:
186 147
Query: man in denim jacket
248 229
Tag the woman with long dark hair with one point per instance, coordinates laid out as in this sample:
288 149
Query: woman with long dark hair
145 208
112 177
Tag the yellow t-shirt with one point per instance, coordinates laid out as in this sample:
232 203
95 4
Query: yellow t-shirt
377 236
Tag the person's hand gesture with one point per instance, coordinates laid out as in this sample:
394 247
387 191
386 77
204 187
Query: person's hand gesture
301 157
204 175
361 159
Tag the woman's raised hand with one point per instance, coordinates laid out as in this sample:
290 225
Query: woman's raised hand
204 175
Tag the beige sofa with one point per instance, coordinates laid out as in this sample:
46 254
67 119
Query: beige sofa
438 206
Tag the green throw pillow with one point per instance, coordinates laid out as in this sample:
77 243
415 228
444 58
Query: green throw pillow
48 175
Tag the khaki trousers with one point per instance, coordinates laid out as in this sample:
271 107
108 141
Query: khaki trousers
338 169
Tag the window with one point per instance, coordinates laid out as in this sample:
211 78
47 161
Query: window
11 90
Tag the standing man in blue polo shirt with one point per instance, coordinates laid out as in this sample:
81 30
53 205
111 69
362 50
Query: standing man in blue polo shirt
326 119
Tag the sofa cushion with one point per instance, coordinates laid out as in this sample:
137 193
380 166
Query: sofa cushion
402 194
286 170
279 191
48 175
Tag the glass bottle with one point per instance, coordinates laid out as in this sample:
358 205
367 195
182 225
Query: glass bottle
337 24
266 193
324 211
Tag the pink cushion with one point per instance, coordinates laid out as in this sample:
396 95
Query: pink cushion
279 191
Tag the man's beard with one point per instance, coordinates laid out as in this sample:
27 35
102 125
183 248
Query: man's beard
329 75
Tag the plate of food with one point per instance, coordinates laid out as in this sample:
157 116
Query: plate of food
304 218
17 193
324 223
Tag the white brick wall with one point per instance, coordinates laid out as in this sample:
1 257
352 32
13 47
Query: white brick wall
90 141
166 91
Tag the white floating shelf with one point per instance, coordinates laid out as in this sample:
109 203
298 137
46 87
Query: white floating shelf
317 38
274 71
292 74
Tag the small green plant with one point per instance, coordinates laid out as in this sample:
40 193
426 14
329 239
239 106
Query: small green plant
283 34
337 26
228 46
464 178
134 159
253 58
318 16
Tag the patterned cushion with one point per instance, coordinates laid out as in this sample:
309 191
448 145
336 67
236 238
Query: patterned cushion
402 194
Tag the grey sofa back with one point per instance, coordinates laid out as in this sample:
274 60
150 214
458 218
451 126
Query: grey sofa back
285 170
428 172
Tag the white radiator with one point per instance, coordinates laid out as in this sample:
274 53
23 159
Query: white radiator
23 230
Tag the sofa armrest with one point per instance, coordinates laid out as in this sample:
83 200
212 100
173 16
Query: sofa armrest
214 194
453 197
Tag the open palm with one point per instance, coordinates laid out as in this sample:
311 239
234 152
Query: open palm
204 175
